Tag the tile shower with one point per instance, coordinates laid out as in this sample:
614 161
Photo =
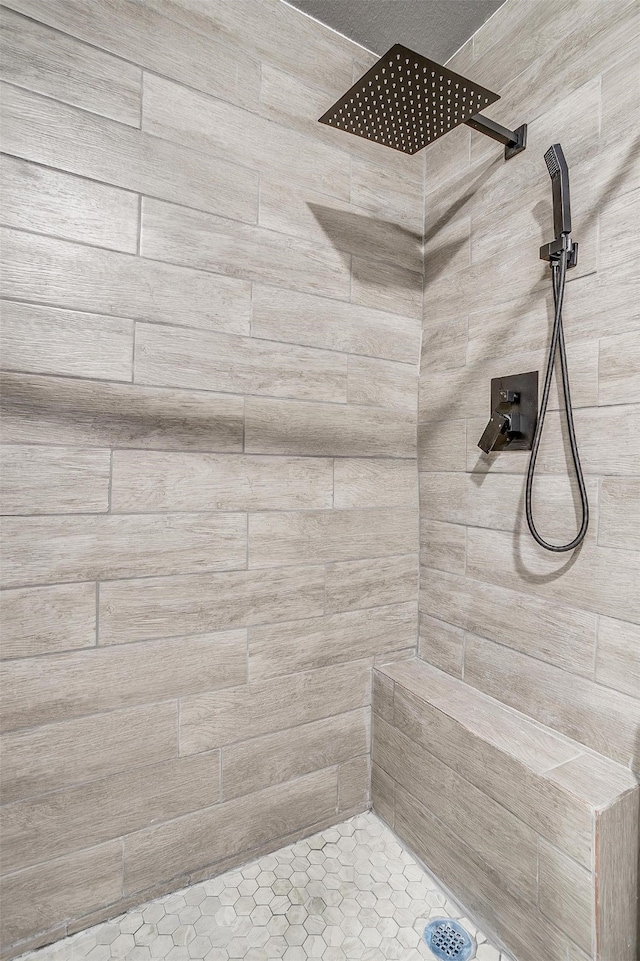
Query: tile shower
239 401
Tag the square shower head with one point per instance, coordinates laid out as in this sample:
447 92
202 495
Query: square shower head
405 101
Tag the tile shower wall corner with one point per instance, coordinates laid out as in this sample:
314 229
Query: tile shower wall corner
210 343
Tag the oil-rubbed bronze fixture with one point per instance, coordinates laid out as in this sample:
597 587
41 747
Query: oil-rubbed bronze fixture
514 411
406 101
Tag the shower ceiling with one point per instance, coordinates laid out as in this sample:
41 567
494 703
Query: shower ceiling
434 28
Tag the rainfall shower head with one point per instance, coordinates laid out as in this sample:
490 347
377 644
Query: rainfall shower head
559 173
406 101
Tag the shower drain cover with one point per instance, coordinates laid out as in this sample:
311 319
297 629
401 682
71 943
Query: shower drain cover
448 940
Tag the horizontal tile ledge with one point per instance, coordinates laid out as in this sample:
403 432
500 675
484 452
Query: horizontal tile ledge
514 733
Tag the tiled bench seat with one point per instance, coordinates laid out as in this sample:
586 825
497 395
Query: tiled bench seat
534 834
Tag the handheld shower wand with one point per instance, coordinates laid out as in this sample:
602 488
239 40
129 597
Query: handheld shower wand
559 173
562 254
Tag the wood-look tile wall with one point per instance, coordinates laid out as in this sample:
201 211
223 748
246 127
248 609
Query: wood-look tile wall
211 327
555 636
536 835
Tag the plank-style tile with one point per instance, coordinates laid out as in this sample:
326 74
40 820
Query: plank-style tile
442 444
58 66
618 236
600 781
566 895
444 344
352 585
331 222
397 198
441 644
504 34
273 758
259 31
65 686
527 935
144 37
57 824
175 481
360 482
508 846
386 287
50 202
606 442
383 696
170 606
53 134
498 502
618 655
332 639
619 106
551 810
80 548
88 414
287 100
318 322
225 830
382 791
53 480
354 784
466 391
537 747
447 247
561 635
321 537
47 340
203 360
618 513
618 365
56 756
62 274
603 719
178 235
442 546
45 620
493 331
382 383
586 584
193 120
214 719
325 430
617 845
36 899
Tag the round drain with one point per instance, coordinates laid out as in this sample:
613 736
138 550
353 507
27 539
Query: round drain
448 940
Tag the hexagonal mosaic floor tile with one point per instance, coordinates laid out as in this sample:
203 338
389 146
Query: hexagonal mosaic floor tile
351 893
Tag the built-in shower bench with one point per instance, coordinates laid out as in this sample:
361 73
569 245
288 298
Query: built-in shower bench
535 835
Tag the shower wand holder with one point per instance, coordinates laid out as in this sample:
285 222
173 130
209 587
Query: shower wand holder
514 412
553 251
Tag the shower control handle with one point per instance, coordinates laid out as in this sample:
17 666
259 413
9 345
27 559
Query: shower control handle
500 428
514 406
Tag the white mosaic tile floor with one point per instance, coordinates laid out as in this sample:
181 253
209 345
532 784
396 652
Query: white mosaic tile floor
351 893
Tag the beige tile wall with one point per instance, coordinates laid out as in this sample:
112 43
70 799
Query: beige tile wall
555 636
211 326
536 835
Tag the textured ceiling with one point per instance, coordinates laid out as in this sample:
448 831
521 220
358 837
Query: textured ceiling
434 28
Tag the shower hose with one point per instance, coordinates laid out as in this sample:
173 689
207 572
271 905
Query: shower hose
559 275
